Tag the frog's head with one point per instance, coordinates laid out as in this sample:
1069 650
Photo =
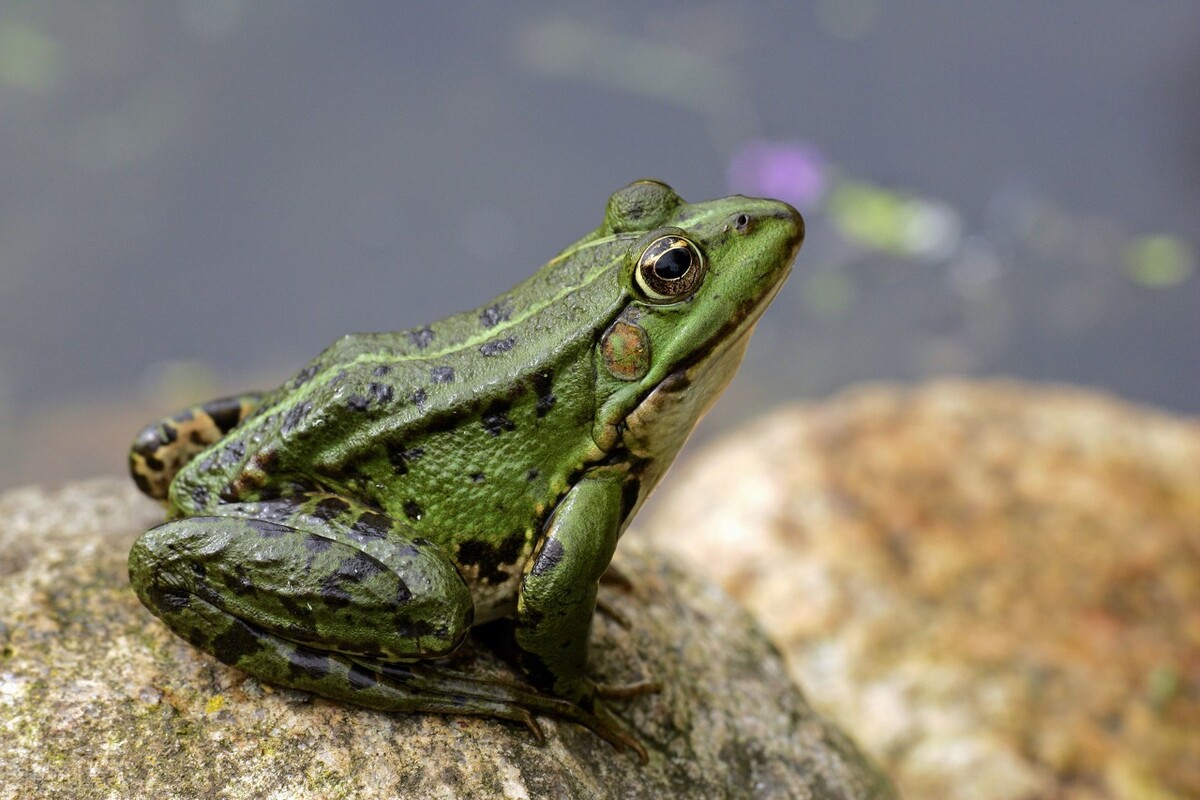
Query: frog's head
697 276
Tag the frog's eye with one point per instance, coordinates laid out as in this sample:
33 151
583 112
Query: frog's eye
669 269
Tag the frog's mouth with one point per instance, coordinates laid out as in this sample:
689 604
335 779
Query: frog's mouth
736 332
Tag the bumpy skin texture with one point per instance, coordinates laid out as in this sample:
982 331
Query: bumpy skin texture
345 531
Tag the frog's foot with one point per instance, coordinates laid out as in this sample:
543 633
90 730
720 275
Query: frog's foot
482 695
315 593
334 675
606 725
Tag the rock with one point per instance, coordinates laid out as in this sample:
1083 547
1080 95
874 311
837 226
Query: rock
995 587
99 699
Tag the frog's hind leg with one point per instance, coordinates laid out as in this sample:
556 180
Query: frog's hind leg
418 687
359 681
162 448
304 592
321 594
316 570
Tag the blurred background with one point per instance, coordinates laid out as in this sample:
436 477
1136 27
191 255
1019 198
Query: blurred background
197 196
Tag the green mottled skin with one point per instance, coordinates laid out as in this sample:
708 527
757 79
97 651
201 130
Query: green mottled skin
345 531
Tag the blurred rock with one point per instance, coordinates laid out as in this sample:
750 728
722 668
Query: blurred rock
995 586
99 700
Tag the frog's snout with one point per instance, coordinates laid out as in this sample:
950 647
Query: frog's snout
795 224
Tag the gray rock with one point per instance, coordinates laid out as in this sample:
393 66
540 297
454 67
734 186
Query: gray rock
98 699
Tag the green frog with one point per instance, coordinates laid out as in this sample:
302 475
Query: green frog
343 533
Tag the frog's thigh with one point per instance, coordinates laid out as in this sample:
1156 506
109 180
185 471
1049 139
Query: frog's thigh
333 610
238 587
162 448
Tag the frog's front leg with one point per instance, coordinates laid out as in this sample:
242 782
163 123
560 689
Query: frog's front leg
558 597
320 594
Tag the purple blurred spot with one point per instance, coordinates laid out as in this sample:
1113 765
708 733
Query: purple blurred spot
794 172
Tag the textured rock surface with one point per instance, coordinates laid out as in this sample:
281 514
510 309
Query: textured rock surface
995 587
98 699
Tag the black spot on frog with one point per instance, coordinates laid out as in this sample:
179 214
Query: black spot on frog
381 393
543 386
295 415
495 420
421 337
329 508
401 458
552 553
489 557
497 346
493 315
304 376
370 525
236 642
308 663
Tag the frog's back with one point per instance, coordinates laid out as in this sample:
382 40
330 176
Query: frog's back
466 388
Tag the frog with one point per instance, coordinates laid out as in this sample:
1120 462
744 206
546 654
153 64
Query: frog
344 533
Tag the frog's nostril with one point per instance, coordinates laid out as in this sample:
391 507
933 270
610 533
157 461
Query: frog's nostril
741 222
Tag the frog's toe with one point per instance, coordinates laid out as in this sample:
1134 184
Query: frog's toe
497 697
532 724
613 613
614 576
608 727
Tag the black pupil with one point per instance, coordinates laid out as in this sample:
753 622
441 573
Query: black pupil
673 264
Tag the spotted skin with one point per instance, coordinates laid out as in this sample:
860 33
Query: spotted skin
384 594
163 448
343 533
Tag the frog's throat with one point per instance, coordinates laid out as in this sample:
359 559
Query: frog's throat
661 423
658 427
